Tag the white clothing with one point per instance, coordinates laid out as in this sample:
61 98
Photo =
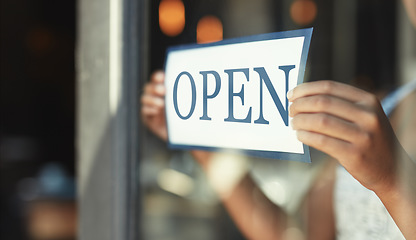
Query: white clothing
359 213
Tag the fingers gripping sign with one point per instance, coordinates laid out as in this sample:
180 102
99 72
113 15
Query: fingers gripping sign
348 124
153 105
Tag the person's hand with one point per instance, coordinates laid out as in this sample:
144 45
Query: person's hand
350 125
153 113
153 105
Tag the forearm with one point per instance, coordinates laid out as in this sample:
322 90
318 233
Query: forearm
350 125
253 213
399 198
403 211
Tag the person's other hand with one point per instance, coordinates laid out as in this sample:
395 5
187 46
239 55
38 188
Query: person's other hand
349 124
153 105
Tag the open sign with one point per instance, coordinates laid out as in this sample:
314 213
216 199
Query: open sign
232 94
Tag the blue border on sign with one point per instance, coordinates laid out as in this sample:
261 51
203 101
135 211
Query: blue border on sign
299 157
307 34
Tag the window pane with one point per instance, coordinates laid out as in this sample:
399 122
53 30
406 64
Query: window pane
188 195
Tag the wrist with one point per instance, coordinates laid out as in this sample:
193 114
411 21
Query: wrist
202 158
224 171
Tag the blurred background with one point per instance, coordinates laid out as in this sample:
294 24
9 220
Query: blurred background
365 43
37 113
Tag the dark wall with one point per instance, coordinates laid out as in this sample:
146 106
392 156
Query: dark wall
37 96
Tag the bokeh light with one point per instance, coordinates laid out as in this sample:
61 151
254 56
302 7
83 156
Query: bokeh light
303 12
209 29
40 40
171 17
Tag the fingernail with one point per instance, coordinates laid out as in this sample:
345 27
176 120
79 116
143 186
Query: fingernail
160 88
160 102
159 76
289 94
298 135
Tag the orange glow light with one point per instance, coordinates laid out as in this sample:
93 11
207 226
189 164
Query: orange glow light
209 29
303 12
171 17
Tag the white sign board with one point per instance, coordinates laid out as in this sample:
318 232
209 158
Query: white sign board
232 94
